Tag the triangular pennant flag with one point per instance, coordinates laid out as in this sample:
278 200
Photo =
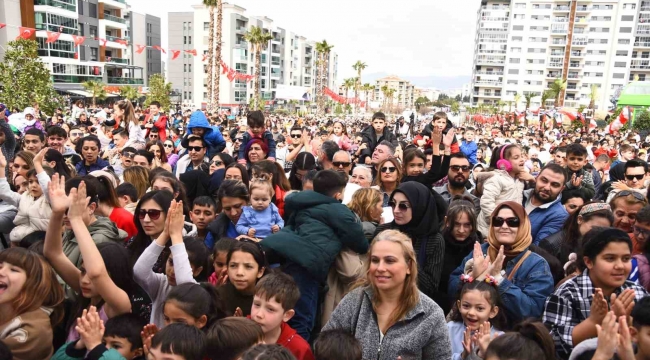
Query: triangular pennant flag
122 41
76 56
2 25
175 54
205 56
224 68
139 49
160 49
25 32
52 37
193 52
78 40
231 76
102 42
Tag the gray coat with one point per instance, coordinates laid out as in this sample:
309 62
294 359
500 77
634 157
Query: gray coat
422 334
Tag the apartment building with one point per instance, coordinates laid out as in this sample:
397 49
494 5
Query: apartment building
404 92
111 62
522 46
289 59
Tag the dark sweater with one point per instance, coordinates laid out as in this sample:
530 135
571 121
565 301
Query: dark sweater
455 252
233 299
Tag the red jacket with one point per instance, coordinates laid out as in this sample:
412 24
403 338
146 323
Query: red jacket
279 199
161 124
612 153
454 145
294 343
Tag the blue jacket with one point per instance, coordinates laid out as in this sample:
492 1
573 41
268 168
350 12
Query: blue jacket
212 135
523 297
547 219
83 170
469 149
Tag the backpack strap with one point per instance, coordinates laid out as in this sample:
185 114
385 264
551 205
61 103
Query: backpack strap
521 261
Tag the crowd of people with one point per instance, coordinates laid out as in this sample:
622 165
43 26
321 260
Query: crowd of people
132 233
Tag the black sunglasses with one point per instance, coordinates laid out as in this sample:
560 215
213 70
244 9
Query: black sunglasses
636 195
296 136
632 177
168 145
341 163
402 206
217 162
195 148
387 169
512 222
130 155
153 214
458 168
238 139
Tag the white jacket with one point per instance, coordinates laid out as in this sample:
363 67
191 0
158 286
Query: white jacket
33 214
184 162
499 188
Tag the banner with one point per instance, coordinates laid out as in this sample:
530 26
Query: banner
140 49
175 54
78 40
25 33
52 37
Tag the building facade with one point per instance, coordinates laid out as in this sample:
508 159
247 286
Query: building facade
404 96
596 46
111 62
289 59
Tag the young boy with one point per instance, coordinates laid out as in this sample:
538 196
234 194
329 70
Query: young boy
256 130
127 195
311 240
204 210
199 126
157 120
276 295
337 344
579 178
373 135
468 146
229 338
440 123
119 339
640 328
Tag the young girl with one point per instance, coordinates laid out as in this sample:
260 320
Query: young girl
193 304
109 205
340 136
273 172
477 305
504 185
105 288
246 265
123 109
178 342
182 265
262 217
219 256
31 304
578 306
529 340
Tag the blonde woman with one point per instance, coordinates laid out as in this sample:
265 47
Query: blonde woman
386 312
139 177
367 205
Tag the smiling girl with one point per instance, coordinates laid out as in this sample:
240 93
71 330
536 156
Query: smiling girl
246 265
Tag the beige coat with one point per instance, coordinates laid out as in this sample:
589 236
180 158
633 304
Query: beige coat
348 267
497 189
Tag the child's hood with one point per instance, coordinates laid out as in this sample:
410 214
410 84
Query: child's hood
198 120
105 227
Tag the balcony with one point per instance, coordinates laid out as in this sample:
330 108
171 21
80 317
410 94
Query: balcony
74 79
554 75
125 81
572 89
561 8
561 19
56 28
645 8
70 5
241 44
492 94
55 53
488 83
559 32
579 31
240 28
482 51
114 18
581 21
557 53
482 61
642 44
579 42
555 65
116 38
583 9
573 76
489 73
640 65
117 60
558 42
577 54
643 29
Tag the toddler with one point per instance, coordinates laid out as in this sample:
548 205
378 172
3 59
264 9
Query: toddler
262 218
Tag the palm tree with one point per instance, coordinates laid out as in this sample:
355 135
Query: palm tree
366 88
528 97
217 54
210 4
358 66
390 93
259 40
96 89
547 94
558 87
593 96
348 84
384 91
517 99
323 49
129 92
500 105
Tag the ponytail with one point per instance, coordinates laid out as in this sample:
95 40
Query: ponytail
529 340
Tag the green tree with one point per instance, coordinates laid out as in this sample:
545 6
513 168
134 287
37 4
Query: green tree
421 101
528 97
455 108
558 87
26 79
517 99
96 90
259 40
358 66
641 120
338 109
547 94
130 93
159 90
593 96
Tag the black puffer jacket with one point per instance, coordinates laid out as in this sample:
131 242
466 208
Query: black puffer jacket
369 137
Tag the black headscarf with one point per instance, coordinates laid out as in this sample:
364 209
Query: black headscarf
425 220
215 180
197 183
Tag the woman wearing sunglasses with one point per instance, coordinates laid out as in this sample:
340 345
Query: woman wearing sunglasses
170 152
388 178
220 161
416 214
527 280
160 156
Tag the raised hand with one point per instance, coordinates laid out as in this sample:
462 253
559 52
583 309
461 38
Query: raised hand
3 161
607 337
576 181
41 155
622 304
467 342
484 337
599 307
78 202
238 312
147 333
91 329
625 350
436 137
495 266
448 139
480 262
59 201
177 220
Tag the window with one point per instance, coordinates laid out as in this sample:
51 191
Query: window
184 40
627 18
537 50
206 26
623 41
517 38
92 10
629 6
520 5
190 96
599 30
515 49
645 55
81 29
541 6
513 82
597 41
189 41
625 30
80 8
619 76
601 18
518 28
599 74
603 7
189 25
189 67
94 54
539 28
535 61
515 60
184 95
184 67
619 64
513 71
621 53
92 30
520 16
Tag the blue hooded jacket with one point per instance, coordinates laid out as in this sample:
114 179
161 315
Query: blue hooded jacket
212 135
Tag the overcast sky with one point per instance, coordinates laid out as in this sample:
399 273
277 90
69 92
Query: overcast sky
406 38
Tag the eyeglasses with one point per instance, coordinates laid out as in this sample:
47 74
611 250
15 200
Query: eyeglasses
458 168
153 136
632 177
639 231
169 145
343 164
387 169
195 148
402 206
238 139
130 155
153 214
512 222
296 136
217 162
636 195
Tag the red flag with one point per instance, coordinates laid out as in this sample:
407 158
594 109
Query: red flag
140 48
205 56
2 25
121 41
25 32
175 54
52 37
160 49
224 68
193 52
76 56
102 42
231 74
78 40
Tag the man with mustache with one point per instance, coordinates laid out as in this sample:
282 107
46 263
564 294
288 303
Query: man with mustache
458 175
543 205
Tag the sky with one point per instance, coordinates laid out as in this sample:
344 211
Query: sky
404 37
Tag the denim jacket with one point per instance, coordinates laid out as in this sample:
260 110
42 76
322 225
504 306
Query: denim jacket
524 296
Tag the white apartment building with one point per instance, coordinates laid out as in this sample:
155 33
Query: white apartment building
289 59
522 46
404 91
